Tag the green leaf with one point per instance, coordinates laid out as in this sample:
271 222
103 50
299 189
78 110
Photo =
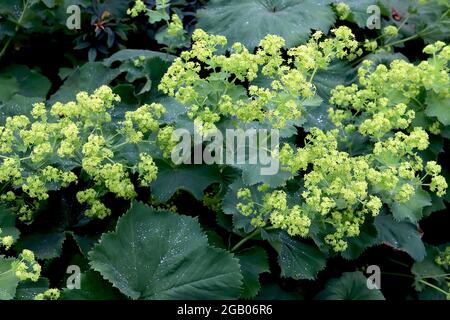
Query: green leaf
412 209
85 243
230 202
9 87
350 286
431 21
357 245
384 58
439 108
27 290
402 236
254 261
8 224
50 3
431 294
131 54
191 178
162 255
18 105
87 78
44 245
31 83
248 21
92 287
338 72
268 172
297 260
437 205
8 279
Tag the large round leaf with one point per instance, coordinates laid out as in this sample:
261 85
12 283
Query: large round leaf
161 255
351 286
248 21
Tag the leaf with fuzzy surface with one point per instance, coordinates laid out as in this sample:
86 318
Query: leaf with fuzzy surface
439 108
248 21
297 260
88 77
162 255
8 224
28 289
351 286
92 287
413 208
254 261
191 178
8 279
44 245
402 236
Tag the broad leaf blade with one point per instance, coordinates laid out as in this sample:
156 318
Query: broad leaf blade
297 260
402 236
248 21
351 286
253 262
161 255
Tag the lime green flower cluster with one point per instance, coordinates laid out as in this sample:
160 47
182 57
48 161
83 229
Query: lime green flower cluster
26 266
141 121
336 188
221 93
343 10
390 31
443 259
165 141
175 26
96 207
139 7
172 35
274 209
5 240
50 294
438 183
344 191
388 98
147 169
39 153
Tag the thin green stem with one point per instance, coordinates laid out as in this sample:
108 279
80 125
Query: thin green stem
120 145
250 236
422 33
433 286
244 240
19 22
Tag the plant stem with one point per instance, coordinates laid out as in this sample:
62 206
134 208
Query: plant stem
250 236
244 240
19 22
421 281
433 286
